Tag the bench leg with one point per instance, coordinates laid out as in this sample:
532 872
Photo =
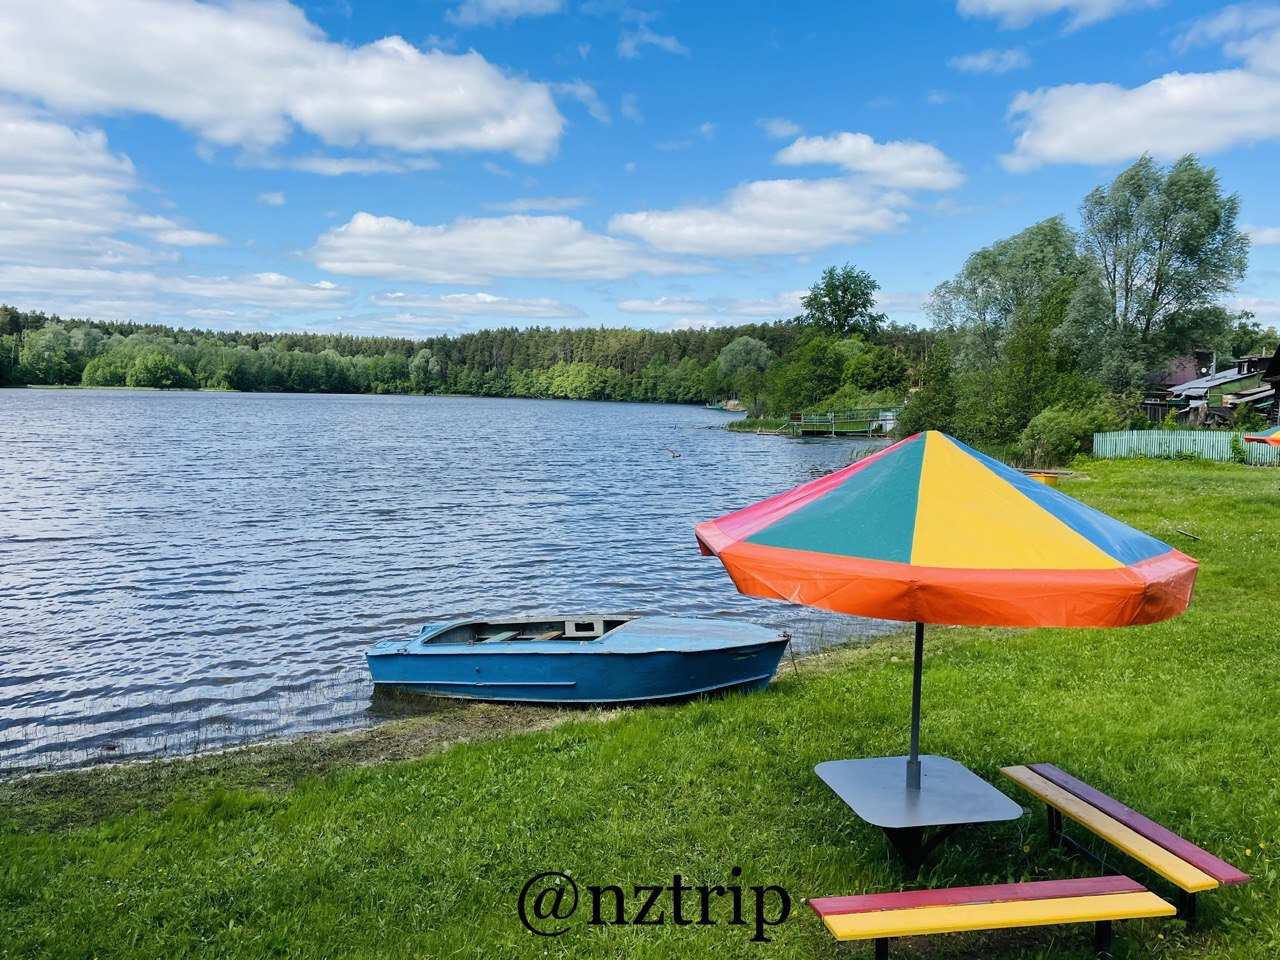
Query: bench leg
882 948
1055 826
1102 940
1187 907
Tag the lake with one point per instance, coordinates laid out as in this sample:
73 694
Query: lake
183 571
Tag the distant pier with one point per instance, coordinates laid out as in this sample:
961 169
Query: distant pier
858 422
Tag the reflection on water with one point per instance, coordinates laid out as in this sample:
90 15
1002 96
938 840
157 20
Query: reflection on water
183 571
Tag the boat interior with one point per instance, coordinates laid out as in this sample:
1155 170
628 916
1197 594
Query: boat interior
576 629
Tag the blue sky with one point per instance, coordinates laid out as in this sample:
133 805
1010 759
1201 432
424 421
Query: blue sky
424 167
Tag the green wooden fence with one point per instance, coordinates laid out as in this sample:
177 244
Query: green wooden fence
1209 444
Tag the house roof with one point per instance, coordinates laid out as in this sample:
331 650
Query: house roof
1173 373
1201 386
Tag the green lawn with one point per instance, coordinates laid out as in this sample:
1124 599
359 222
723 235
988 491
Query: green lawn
246 856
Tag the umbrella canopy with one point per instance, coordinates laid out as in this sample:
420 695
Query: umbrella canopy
930 530
1270 437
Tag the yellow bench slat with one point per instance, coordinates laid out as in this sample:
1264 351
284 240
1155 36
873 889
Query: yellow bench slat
1170 866
914 921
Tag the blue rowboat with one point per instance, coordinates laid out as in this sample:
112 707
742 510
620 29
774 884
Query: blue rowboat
579 660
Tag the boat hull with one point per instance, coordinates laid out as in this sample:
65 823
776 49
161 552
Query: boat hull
586 673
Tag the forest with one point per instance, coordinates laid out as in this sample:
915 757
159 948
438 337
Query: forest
1037 341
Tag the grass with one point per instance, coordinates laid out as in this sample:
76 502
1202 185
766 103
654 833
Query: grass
752 424
305 851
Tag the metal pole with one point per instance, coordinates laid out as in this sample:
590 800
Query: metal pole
913 761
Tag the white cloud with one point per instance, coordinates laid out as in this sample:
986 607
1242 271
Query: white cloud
630 108
1263 236
907 164
480 304
632 42
1265 310
1019 13
586 95
361 166
65 198
247 74
895 302
142 294
664 305
482 249
990 61
471 13
176 235
770 217
1171 115
707 130
1176 114
778 127
720 310
272 198
537 205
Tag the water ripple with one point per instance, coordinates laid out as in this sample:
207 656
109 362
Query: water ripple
185 571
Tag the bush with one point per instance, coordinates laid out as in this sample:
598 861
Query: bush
161 371
1058 433
105 371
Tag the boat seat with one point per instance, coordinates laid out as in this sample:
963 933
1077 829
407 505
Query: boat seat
505 635
550 635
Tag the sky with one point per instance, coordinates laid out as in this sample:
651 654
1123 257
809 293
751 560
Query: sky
439 166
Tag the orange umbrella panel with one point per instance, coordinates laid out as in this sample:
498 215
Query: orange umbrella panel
930 530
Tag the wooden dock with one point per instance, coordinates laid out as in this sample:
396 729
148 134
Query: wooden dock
859 422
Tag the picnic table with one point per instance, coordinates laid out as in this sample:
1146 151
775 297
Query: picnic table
950 795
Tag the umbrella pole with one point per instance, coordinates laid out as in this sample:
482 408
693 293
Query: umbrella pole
913 761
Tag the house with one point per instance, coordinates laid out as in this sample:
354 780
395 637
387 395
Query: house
1213 397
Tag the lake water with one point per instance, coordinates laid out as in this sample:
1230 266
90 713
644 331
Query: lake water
182 571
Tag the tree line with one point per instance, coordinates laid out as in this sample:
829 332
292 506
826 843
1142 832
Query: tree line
759 362
1039 340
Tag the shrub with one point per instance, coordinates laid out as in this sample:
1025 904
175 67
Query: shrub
159 370
1058 433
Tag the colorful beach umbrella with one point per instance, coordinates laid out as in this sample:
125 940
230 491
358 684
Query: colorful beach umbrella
929 530
1270 437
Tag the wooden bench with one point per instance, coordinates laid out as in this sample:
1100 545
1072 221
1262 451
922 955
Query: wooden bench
1189 868
1097 900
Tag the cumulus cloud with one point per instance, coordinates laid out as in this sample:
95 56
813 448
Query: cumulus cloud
483 249
778 127
990 61
1019 13
480 304
1171 115
471 13
907 164
664 305
248 74
145 294
272 198
631 43
65 198
1263 236
770 217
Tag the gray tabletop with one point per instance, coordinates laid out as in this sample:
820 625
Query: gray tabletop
950 793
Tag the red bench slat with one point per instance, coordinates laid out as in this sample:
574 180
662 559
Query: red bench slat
1199 858
956 896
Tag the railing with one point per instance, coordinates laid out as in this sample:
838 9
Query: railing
868 421
1209 444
